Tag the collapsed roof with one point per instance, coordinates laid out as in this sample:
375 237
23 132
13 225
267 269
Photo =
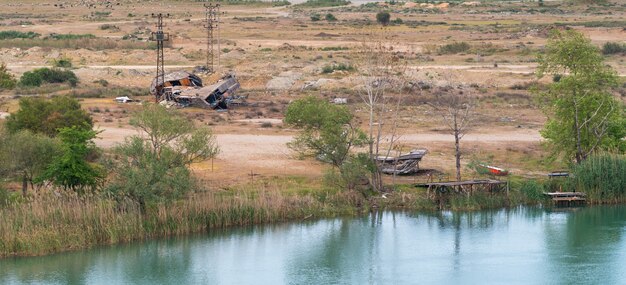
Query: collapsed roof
176 78
212 96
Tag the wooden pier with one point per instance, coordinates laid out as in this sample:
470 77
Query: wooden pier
440 191
567 198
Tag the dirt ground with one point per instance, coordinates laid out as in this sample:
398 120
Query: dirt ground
278 52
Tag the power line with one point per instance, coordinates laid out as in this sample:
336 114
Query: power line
160 37
212 26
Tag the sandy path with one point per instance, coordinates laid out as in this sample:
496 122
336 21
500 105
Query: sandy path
269 154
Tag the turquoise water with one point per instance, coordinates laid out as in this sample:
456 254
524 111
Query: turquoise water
519 246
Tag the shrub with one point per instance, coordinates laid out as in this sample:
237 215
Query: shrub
613 48
315 17
324 3
452 48
47 116
7 80
330 17
62 62
5 35
46 75
341 67
70 36
383 18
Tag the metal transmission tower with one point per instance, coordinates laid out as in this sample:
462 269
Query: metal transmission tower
212 27
160 37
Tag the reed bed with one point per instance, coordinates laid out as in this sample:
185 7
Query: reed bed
53 224
602 177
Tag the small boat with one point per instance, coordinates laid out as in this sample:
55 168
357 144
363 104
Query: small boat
495 170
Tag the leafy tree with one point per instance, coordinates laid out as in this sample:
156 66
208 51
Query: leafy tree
7 80
583 115
155 167
326 133
383 18
71 170
48 116
27 155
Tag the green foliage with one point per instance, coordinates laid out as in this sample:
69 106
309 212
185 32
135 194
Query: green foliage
326 130
48 116
71 36
583 115
156 168
26 155
532 191
48 75
7 80
340 67
353 174
613 48
453 48
323 3
71 170
602 177
64 62
5 35
330 17
383 18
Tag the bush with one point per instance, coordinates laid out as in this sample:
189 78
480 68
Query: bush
324 3
330 17
70 36
7 80
613 48
315 17
46 75
383 18
341 67
62 62
47 116
453 48
5 35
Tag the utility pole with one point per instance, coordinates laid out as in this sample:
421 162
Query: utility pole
212 26
160 37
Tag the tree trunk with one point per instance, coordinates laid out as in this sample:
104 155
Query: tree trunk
579 150
457 154
24 185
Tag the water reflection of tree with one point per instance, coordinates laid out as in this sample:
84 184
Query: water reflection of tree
64 268
347 254
584 247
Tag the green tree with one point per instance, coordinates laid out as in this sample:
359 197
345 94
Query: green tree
48 116
155 167
383 18
330 17
7 80
583 115
26 155
326 130
71 170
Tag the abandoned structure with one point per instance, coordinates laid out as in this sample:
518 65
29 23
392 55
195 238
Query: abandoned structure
401 165
185 89
173 79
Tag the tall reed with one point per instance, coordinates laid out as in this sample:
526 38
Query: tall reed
602 177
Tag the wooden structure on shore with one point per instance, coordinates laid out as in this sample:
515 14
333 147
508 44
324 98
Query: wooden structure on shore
440 191
567 198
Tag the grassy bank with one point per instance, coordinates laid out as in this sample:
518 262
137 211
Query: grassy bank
51 224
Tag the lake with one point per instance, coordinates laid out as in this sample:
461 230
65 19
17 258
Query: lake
517 246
